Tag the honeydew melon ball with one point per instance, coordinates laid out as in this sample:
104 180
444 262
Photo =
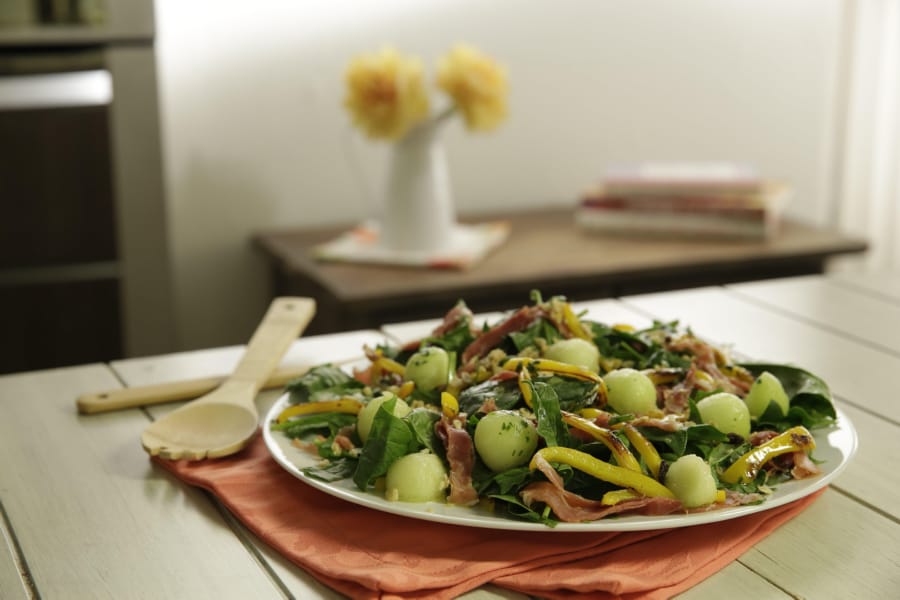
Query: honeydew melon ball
429 368
505 439
726 412
691 480
417 477
630 391
367 414
766 389
575 351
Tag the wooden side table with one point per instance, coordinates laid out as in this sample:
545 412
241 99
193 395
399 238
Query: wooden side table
545 251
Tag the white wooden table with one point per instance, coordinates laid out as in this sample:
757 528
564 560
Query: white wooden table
83 514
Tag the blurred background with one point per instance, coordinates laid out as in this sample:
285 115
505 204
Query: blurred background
207 121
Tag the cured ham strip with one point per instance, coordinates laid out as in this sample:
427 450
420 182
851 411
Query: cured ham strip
804 466
491 338
461 458
572 508
706 359
460 313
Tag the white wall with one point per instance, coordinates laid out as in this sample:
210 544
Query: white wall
255 136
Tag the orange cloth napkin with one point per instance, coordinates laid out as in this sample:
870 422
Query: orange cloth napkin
365 553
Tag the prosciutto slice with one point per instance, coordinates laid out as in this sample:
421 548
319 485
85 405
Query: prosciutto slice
491 338
461 457
573 508
460 313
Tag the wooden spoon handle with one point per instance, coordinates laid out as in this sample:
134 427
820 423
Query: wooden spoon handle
281 325
170 392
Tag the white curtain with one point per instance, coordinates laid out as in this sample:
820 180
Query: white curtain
868 196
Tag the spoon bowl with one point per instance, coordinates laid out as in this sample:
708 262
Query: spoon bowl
225 420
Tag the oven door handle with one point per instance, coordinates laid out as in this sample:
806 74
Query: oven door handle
55 90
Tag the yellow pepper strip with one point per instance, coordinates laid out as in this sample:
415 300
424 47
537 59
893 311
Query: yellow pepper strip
720 496
624 327
644 447
389 364
406 389
449 405
665 375
519 363
552 366
590 413
525 387
624 458
351 406
615 496
640 483
746 467
574 324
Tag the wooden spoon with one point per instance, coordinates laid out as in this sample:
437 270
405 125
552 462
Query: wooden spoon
225 420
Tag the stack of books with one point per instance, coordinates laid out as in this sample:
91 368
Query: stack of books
716 200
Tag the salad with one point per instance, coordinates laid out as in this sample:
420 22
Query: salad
550 417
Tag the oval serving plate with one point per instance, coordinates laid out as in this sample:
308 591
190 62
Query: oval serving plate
834 447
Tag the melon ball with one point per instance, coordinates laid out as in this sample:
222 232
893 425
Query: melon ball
575 351
367 415
429 368
766 389
691 480
726 412
630 392
505 439
417 477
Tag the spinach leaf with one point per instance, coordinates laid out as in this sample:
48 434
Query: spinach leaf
322 383
506 395
334 470
541 328
811 402
640 348
389 439
421 422
697 439
300 426
456 339
573 394
550 425
519 510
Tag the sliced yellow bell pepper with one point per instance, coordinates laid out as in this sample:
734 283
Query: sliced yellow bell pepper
644 447
746 467
525 387
390 365
449 405
575 326
522 363
552 366
406 389
623 457
664 375
349 406
605 471
590 413
615 496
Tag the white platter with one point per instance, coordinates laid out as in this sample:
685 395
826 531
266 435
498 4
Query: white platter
834 446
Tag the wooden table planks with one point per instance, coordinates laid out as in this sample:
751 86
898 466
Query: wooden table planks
86 515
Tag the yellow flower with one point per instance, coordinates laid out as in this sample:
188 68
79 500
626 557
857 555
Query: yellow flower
477 85
386 93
